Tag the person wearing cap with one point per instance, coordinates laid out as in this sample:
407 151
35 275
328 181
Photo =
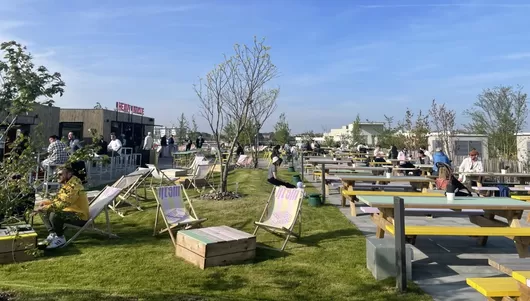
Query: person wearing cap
439 156
470 164
70 205
272 176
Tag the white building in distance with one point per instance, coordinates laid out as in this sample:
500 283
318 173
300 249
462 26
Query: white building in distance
370 131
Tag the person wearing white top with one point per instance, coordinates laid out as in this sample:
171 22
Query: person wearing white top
427 153
470 164
148 142
114 146
377 150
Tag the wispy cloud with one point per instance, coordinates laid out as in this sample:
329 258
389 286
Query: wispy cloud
516 56
11 24
136 11
498 5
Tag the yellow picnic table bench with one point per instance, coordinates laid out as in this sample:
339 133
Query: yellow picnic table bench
505 288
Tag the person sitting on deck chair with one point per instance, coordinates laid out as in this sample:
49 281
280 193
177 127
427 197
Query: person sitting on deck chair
273 171
70 205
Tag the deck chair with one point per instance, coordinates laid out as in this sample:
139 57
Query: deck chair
129 185
201 175
193 165
100 203
283 210
157 174
173 210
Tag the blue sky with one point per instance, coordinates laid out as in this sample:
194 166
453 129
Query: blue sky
335 58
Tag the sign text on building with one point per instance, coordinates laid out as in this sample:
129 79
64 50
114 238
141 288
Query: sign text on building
127 108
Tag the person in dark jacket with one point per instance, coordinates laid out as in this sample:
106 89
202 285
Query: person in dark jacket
199 142
102 146
276 153
393 152
239 149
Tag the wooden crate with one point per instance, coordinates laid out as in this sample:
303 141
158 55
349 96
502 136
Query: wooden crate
215 246
13 247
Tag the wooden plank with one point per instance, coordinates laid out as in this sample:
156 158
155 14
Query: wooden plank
199 236
190 243
391 193
240 234
13 257
463 231
215 233
508 265
495 286
230 247
226 259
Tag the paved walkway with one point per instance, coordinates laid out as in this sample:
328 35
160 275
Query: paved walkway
441 264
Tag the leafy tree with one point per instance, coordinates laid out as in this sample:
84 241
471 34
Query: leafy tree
356 133
282 132
415 131
443 123
329 141
22 87
229 91
182 128
388 135
499 113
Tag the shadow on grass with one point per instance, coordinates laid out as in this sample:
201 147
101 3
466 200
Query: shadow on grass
314 240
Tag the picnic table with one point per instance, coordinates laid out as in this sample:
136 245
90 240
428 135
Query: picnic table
426 169
488 225
348 181
478 176
323 176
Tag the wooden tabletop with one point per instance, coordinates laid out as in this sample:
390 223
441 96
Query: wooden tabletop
485 203
509 265
496 174
346 178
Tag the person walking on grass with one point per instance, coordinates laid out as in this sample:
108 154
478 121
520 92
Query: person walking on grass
273 172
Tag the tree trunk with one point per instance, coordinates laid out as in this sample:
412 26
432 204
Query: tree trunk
224 177
255 157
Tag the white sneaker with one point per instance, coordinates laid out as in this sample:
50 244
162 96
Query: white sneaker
50 237
56 242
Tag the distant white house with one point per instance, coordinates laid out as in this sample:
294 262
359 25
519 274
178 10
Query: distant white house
523 147
460 144
370 131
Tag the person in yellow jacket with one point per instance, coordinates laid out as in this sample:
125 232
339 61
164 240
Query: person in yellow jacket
70 205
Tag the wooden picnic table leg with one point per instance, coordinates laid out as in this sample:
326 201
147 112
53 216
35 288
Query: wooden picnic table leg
521 242
525 292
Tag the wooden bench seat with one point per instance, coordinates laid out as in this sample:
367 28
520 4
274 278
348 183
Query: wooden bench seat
462 231
495 287
491 188
390 193
428 211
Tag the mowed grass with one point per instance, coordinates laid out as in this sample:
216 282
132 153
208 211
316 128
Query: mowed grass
327 263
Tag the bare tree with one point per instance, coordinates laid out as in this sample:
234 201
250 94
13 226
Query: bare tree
415 131
229 92
443 123
499 113
263 107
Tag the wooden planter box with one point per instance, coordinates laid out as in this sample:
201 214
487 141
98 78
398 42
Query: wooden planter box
13 247
215 246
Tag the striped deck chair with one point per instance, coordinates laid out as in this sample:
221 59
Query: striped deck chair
100 203
129 185
174 212
283 210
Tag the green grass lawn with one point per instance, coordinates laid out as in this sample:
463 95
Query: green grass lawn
327 263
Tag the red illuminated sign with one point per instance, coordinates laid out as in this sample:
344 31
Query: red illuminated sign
127 108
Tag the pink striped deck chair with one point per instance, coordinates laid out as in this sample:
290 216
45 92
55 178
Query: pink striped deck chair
283 210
